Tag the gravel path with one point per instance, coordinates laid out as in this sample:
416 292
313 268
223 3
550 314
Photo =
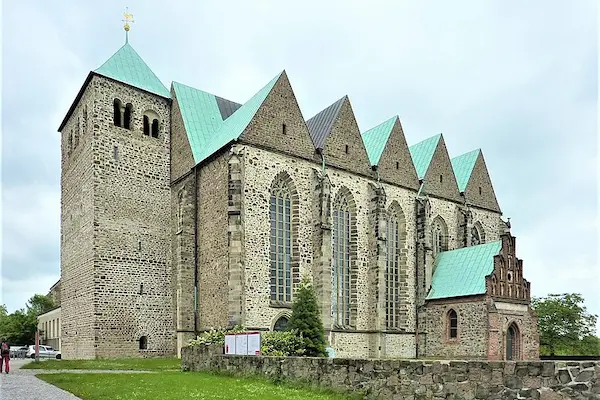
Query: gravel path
22 383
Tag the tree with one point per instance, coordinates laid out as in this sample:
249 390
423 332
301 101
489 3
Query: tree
20 326
565 326
306 319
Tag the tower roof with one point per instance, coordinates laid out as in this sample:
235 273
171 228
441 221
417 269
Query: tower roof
128 67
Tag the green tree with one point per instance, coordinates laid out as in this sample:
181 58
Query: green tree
20 326
306 319
565 326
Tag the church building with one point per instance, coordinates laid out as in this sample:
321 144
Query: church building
183 211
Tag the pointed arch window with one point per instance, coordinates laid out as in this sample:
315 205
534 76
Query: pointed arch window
452 324
513 343
281 242
340 294
439 239
395 242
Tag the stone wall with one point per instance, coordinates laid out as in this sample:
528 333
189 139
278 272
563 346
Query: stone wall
414 379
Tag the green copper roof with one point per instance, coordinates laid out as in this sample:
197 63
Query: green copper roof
463 166
201 116
376 138
128 67
206 130
462 272
422 153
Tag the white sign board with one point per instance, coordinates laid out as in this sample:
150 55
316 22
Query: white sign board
229 344
253 343
241 344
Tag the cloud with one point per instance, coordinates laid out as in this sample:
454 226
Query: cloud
496 75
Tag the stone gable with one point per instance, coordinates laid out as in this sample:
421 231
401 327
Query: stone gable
182 159
480 191
395 165
439 179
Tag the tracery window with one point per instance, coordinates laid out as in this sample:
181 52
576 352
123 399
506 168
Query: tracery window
340 294
395 237
281 243
475 238
439 236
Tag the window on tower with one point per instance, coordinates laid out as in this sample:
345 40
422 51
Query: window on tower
154 128
127 116
117 105
146 125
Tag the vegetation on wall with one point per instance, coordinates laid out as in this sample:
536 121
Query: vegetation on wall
565 326
19 327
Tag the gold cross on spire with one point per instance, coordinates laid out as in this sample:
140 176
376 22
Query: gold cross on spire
127 20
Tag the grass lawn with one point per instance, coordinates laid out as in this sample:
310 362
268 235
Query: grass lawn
136 364
178 385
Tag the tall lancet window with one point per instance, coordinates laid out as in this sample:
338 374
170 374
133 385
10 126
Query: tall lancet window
340 294
439 233
475 237
281 243
395 241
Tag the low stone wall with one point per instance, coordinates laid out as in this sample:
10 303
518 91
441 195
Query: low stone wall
414 379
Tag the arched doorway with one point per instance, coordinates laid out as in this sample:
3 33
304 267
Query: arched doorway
513 343
281 324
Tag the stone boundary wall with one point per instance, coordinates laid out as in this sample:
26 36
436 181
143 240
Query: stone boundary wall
414 379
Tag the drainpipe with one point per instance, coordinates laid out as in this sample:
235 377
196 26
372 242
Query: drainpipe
196 250
419 200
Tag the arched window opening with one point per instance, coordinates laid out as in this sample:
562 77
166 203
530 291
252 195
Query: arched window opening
513 343
281 324
281 243
340 295
180 212
395 242
146 125
117 105
144 343
154 128
475 237
494 286
439 236
452 323
128 115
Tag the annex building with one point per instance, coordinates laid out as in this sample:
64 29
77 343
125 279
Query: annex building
182 211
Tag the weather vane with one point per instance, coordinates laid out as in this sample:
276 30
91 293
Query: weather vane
127 20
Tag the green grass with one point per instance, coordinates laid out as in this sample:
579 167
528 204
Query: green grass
135 364
179 385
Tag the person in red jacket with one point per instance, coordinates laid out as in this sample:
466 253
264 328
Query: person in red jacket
5 354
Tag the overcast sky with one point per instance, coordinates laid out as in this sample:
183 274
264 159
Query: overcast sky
515 78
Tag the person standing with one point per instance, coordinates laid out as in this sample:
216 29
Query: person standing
5 354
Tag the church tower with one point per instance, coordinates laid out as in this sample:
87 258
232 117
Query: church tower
115 214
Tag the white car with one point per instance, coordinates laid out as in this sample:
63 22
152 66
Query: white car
45 352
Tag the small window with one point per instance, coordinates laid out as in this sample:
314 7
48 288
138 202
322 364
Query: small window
146 126
441 178
154 128
128 115
283 129
281 324
139 245
452 324
116 153
480 190
347 149
509 276
141 288
144 343
117 112
397 165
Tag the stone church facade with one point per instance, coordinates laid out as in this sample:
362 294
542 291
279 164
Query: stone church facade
183 211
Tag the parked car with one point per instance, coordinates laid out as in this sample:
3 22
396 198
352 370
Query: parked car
45 352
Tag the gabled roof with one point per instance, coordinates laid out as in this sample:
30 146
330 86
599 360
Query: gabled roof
128 67
320 125
462 272
422 153
376 138
211 122
463 166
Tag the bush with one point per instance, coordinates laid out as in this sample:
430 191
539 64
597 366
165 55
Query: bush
306 319
214 336
282 344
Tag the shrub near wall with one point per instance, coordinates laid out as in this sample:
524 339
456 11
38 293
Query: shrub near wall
413 379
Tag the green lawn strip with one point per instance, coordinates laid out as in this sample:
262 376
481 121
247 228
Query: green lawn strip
125 364
180 385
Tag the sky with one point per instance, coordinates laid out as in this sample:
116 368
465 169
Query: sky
517 79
